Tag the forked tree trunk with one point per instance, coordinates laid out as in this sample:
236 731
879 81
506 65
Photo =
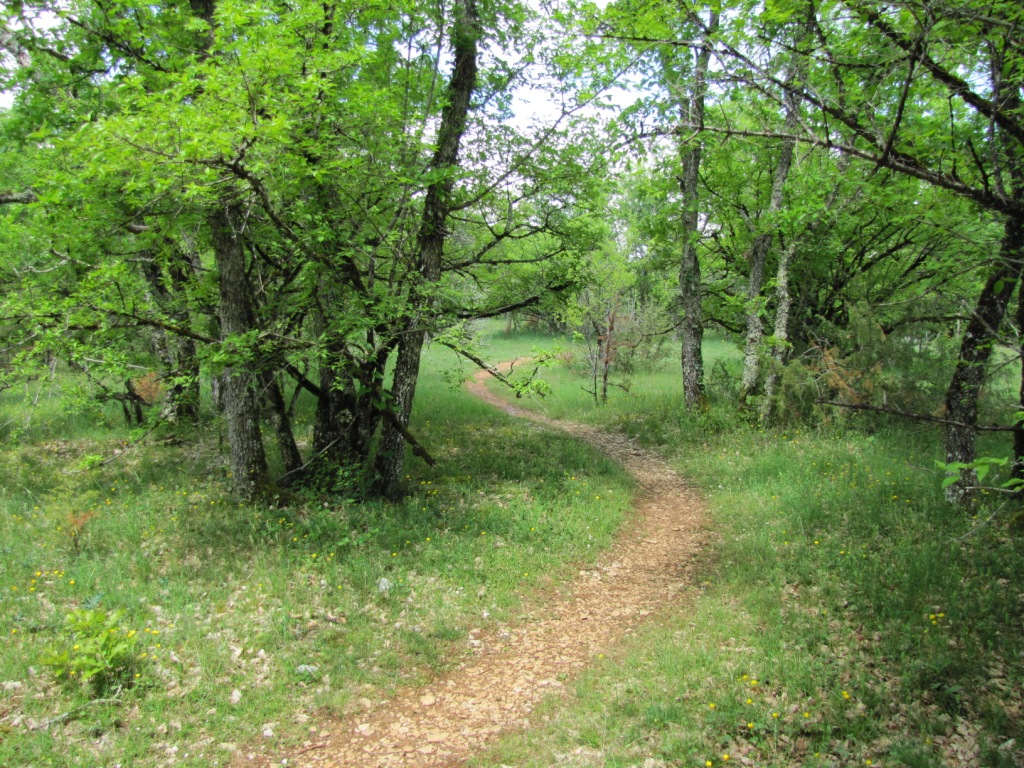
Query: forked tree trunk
759 255
241 406
431 239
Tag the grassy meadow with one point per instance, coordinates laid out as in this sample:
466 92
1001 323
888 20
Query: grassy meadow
847 616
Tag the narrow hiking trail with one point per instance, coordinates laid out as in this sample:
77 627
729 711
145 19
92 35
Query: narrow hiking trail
512 668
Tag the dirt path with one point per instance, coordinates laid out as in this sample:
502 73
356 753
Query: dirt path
512 669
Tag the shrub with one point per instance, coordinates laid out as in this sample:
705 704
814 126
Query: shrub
95 650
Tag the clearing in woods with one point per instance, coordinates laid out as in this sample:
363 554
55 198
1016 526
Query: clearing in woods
514 667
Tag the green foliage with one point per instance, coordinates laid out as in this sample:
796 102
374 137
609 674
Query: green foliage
315 138
94 648
980 467
858 363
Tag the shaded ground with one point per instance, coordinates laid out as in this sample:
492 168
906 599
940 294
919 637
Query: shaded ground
514 667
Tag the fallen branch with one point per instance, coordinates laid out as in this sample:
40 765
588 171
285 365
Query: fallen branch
72 712
310 749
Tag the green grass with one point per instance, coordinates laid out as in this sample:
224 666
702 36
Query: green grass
846 613
228 602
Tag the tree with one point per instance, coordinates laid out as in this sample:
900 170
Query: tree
691 94
929 90
340 202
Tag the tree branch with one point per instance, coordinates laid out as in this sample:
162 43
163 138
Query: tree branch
28 196
917 416
467 314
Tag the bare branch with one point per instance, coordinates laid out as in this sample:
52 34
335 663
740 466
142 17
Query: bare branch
917 416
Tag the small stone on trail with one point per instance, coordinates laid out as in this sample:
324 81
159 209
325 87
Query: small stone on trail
427 700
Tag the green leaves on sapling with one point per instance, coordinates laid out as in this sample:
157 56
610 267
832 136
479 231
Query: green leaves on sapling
95 649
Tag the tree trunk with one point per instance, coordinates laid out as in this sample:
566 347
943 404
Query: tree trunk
595 360
975 349
1018 432
690 288
178 354
431 239
291 458
780 346
184 392
241 407
609 353
330 444
983 327
390 460
758 257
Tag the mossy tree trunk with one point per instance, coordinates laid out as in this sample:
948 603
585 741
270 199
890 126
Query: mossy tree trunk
241 378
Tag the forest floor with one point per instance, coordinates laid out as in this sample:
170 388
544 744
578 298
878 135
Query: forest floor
512 669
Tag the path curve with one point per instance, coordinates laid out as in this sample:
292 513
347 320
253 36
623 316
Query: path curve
513 668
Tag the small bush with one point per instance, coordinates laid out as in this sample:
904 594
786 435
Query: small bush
94 649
